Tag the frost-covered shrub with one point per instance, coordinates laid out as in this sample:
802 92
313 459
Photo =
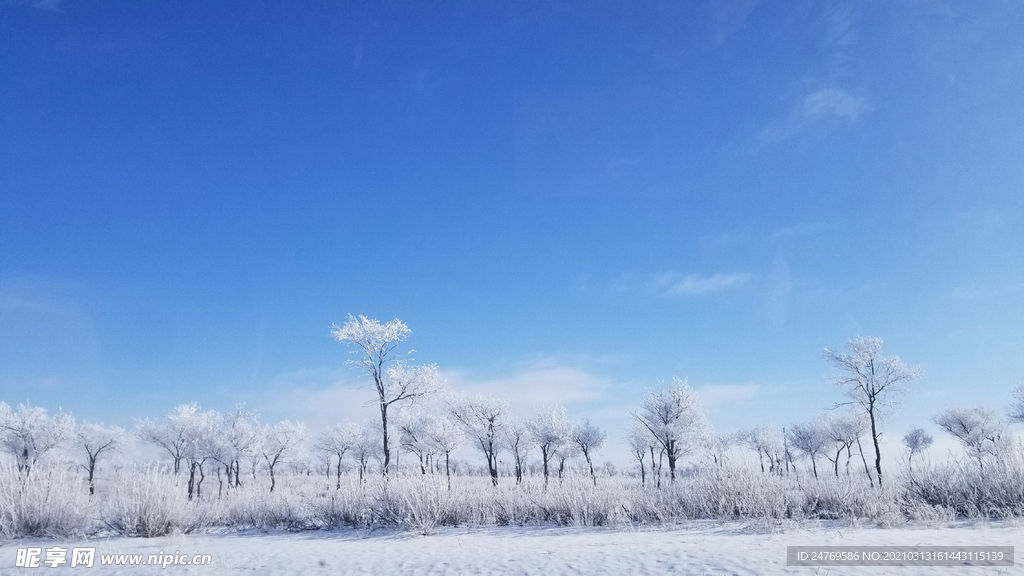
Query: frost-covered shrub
256 507
146 503
48 502
419 504
333 506
995 492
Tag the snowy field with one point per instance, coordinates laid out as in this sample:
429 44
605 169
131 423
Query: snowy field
696 548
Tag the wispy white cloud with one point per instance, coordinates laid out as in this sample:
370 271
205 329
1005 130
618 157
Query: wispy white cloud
675 284
826 104
318 397
49 5
534 387
833 103
327 395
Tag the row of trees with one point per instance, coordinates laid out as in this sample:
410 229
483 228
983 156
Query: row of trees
670 422
29 434
420 416
482 421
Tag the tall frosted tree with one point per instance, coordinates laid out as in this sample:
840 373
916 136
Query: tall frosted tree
844 431
394 380
336 441
238 436
519 442
549 430
483 419
873 382
674 416
811 439
446 436
278 443
174 433
640 441
588 438
96 440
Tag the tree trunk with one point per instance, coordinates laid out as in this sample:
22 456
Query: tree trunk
447 471
191 479
92 470
387 449
867 470
672 461
874 439
492 466
544 457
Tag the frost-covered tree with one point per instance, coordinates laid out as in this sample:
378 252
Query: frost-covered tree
978 429
873 383
238 434
718 443
337 441
366 449
446 436
519 441
280 442
811 439
97 440
201 445
187 434
483 419
640 441
769 442
844 431
916 441
173 432
673 415
549 430
565 453
414 436
395 381
29 433
1015 414
588 438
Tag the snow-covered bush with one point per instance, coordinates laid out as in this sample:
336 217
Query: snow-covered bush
419 504
994 492
145 503
50 502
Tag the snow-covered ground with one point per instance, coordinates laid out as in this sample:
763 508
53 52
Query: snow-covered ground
694 549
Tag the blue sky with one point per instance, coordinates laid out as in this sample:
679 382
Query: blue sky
566 202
